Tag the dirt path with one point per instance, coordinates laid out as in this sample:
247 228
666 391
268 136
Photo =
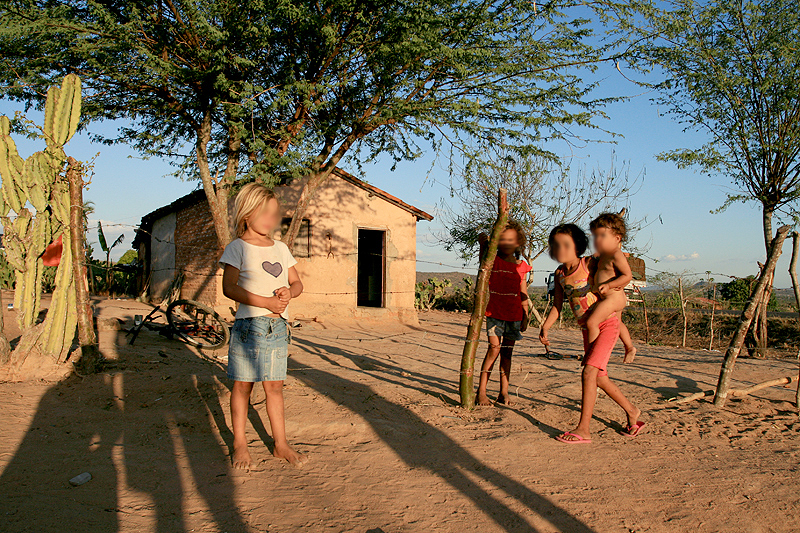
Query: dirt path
375 409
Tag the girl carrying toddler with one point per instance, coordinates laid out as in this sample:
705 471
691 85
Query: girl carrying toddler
575 284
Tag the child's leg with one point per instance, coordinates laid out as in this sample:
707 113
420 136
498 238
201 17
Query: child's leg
486 369
240 403
274 393
614 302
505 370
588 399
615 394
625 337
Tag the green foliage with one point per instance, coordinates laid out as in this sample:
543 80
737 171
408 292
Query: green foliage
266 89
428 293
737 292
7 277
733 72
130 256
433 294
541 195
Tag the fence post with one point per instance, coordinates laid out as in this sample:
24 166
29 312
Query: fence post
796 287
466 385
90 353
735 346
683 310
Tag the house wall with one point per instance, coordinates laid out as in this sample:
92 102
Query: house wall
339 209
196 253
162 255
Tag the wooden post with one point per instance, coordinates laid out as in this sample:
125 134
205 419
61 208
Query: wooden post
5 347
796 287
466 383
735 346
90 353
713 308
646 322
683 310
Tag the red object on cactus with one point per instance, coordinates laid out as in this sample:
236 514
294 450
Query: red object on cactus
52 254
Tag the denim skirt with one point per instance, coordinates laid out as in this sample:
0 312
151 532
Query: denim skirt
259 349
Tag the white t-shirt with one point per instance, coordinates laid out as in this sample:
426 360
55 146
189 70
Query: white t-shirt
262 270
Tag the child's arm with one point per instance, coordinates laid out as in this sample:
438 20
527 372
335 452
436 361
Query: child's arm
526 301
294 289
231 289
555 311
623 277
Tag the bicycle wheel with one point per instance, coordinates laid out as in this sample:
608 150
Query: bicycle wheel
197 324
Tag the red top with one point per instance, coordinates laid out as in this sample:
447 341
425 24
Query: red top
505 301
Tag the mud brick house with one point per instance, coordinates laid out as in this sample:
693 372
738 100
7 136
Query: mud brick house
356 251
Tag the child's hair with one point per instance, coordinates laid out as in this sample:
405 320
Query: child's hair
522 239
578 237
613 222
250 199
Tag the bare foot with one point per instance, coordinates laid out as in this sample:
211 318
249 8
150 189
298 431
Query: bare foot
633 418
503 399
483 400
629 355
241 457
286 452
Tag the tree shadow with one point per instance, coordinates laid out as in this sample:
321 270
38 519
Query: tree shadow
144 429
435 452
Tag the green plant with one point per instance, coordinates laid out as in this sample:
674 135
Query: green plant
428 293
39 181
7 278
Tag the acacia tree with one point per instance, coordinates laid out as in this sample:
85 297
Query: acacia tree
541 195
733 71
265 88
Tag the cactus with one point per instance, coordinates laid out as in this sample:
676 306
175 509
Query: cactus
39 181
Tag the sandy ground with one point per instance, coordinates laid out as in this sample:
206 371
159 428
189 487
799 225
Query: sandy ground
375 408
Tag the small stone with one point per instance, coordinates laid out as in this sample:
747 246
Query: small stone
80 479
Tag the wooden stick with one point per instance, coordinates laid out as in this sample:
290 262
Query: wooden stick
780 381
646 322
466 385
737 392
683 310
713 308
735 346
90 353
796 287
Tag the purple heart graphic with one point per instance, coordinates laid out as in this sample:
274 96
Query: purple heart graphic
272 268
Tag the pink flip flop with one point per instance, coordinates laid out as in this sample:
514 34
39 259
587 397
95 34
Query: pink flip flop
632 431
578 439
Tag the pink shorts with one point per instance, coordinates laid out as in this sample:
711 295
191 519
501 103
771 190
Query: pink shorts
599 353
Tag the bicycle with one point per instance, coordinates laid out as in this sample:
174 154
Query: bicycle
193 322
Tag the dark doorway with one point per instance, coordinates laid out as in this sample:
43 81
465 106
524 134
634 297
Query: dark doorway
371 262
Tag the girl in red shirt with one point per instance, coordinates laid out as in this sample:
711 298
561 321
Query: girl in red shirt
507 311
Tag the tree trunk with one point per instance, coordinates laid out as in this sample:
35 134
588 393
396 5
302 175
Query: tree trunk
683 310
310 187
762 335
90 353
796 287
735 346
216 192
466 383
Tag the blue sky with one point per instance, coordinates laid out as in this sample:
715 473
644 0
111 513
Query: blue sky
125 187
